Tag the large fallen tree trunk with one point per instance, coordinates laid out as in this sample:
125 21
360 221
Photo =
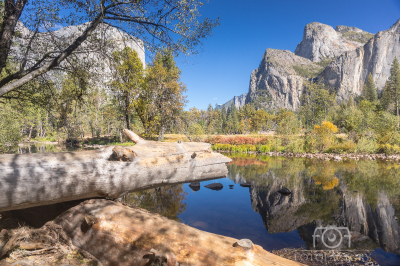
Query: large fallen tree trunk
119 235
28 180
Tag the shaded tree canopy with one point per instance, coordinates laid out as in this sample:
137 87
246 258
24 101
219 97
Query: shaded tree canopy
157 23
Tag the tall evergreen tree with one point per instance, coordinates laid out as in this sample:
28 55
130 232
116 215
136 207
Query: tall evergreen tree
391 91
370 93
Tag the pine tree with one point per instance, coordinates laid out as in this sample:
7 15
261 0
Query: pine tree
370 89
392 88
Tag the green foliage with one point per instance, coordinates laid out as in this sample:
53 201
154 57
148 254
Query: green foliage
362 37
367 145
347 146
324 62
307 71
391 91
287 123
318 104
369 90
10 127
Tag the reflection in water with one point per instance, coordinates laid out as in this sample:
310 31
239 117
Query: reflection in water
167 201
41 148
362 196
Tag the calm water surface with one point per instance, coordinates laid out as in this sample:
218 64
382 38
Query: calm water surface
362 196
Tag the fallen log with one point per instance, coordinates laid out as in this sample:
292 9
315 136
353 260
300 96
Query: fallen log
121 235
28 180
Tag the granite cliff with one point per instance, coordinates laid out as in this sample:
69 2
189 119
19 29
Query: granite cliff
278 81
348 72
321 42
93 55
342 58
238 101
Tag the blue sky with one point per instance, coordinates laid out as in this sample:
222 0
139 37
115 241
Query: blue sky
248 27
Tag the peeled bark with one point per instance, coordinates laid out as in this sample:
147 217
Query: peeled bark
119 235
28 180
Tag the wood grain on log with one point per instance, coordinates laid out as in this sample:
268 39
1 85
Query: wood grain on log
132 236
28 180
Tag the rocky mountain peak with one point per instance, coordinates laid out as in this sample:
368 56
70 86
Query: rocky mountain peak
396 27
321 42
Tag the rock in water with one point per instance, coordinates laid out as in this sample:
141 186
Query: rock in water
247 184
215 186
285 191
195 186
231 186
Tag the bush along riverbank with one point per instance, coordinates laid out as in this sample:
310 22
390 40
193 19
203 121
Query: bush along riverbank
333 147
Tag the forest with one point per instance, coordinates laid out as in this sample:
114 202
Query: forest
151 101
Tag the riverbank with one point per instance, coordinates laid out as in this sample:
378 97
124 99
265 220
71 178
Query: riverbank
104 232
325 156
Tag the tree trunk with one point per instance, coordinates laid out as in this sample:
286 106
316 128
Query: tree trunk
12 12
30 134
119 235
41 179
162 130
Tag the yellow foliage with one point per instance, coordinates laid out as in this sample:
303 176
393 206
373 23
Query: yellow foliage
324 133
327 183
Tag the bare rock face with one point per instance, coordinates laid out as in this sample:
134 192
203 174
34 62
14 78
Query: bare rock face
348 73
321 42
93 55
238 101
278 81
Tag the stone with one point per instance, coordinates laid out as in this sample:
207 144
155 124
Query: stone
284 191
247 184
244 243
195 186
215 186
337 158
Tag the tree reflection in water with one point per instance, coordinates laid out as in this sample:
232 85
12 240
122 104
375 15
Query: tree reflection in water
167 201
361 195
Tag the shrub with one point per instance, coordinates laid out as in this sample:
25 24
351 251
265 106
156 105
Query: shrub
342 147
325 134
295 145
263 148
367 145
389 149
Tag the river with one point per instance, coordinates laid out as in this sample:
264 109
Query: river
362 197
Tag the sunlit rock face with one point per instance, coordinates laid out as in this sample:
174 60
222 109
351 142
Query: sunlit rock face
321 41
238 101
353 53
278 81
348 72
93 55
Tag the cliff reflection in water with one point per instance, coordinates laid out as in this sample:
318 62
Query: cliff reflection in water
363 196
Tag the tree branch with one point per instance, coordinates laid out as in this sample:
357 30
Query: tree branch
33 73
